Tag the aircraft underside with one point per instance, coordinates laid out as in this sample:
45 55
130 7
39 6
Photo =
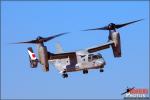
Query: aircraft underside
85 69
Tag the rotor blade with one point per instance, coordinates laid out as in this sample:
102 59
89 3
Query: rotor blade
42 39
122 25
123 93
32 41
54 36
101 28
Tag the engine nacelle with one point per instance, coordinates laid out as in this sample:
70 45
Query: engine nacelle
32 58
116 50
116 47
43 57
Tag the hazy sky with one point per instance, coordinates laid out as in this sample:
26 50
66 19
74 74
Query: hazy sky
21 21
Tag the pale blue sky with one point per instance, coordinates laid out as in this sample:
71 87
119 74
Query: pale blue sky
21 21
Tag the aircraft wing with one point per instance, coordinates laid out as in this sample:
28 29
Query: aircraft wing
61 55
101 47
70 55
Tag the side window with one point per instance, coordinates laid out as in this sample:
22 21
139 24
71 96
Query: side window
68 61
100 56
84 59
95 57
89 58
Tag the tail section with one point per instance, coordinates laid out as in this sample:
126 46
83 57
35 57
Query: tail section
32 58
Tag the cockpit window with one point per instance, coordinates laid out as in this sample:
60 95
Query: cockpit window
90 57
94 57
100 56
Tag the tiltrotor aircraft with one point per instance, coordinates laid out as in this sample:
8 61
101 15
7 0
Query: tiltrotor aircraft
82 60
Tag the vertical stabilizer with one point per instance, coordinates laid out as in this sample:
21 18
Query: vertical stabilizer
59 49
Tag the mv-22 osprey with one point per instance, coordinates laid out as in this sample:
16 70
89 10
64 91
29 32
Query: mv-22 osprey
81 60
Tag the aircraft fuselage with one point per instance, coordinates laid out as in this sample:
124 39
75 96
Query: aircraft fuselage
84 62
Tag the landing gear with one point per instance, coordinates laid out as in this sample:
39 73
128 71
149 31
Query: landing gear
65 75
101 70
85 71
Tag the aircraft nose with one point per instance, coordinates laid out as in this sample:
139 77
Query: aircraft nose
100 62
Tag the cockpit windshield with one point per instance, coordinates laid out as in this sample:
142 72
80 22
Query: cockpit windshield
100 56
94 57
